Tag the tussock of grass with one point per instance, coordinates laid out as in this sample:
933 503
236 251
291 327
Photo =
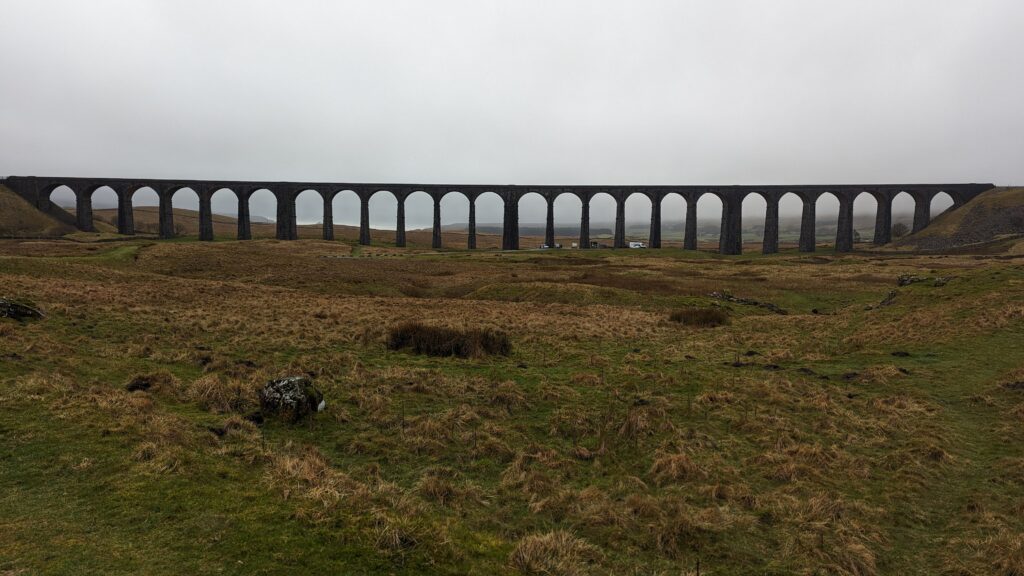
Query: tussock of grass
573 423
1006 553
508 395
677 528
645 417
557 553
216 394
440 341
446 487
674 468
157 382
700 317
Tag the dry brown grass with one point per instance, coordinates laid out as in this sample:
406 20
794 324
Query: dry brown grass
223 395
508 395
669 468
535 472
395 519
167 442
305 473
644 417
725 455
574 422
999 554
677 528
447 487
829 534
700 317
557 553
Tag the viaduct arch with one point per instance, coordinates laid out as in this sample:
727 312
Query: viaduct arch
37 190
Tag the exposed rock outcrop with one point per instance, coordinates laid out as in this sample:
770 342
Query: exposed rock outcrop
294 398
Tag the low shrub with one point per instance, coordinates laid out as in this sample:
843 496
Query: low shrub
700 317
441 341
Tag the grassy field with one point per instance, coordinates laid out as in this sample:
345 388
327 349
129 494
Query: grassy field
842 437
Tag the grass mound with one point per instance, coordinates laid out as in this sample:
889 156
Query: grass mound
19 218
440 341
556 552
700 317
996 213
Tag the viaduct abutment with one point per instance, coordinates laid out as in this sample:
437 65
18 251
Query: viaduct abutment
37 191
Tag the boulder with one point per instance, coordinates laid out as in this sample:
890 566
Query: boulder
18 311
294 397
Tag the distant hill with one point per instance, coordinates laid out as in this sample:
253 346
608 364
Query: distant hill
18 218
708 229
186 223
992 216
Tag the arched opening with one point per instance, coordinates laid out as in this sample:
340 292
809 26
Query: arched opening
902 215
146 211
263 214
64 197
104 209
753 211
568 208
941 202
638 218
224 202
791 209
185 205
224 210
309 214
383 206
490 215
826 218
602 220
454 219
419 218
533 211
345 208
673 219
865 209
709 221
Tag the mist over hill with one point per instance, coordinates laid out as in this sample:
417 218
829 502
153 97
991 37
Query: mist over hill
707 228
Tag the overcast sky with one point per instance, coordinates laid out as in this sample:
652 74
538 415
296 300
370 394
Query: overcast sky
517 91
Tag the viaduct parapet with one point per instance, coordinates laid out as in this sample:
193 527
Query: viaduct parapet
37 190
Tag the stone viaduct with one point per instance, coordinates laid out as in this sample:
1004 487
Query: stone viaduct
37 190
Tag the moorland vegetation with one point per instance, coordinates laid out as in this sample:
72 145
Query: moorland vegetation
873 429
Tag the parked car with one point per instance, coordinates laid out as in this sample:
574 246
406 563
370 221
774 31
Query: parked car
638 245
